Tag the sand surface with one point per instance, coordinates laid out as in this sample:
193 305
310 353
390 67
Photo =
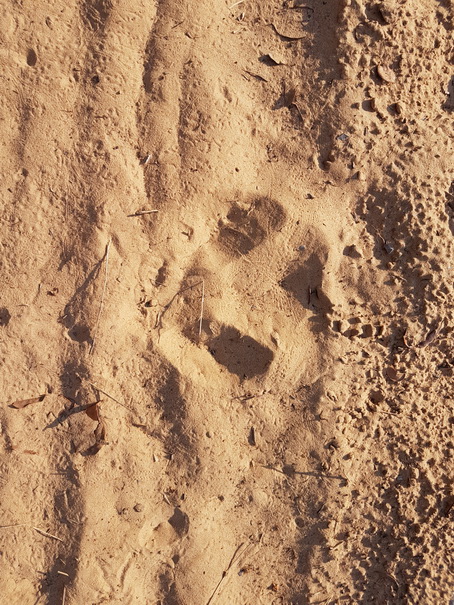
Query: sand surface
226 302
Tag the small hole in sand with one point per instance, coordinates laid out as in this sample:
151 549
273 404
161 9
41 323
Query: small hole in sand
32 57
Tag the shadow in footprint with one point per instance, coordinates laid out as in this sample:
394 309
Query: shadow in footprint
174 411
239 353
305 283
180 522
247 225
168 589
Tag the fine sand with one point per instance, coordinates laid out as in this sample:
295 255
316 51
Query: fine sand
226 302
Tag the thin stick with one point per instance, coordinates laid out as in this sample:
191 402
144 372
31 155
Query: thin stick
201 308
45 533
142 212
106 269
224 573
109 396
64 595
40 531
236 4
15 525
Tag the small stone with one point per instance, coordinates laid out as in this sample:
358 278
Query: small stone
386 73
138 508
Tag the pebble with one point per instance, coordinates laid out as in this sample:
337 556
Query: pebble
138 508
386 73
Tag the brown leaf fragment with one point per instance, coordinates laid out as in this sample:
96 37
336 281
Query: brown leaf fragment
23 403
92 412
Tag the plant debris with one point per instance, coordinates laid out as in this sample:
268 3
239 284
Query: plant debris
92 411
23 403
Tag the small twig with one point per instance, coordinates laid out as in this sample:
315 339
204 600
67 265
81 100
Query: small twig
142 212
45 533
64 596
106 268
236 4
40 531
226 571
201 308
109 396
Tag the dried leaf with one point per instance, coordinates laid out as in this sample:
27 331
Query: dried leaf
92 412
23 403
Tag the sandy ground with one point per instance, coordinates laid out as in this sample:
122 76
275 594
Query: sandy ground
244 396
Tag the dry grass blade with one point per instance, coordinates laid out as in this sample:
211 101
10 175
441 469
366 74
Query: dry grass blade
47 534
109 396
92 411
236 555
201 308
106 270
40 531
142 212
